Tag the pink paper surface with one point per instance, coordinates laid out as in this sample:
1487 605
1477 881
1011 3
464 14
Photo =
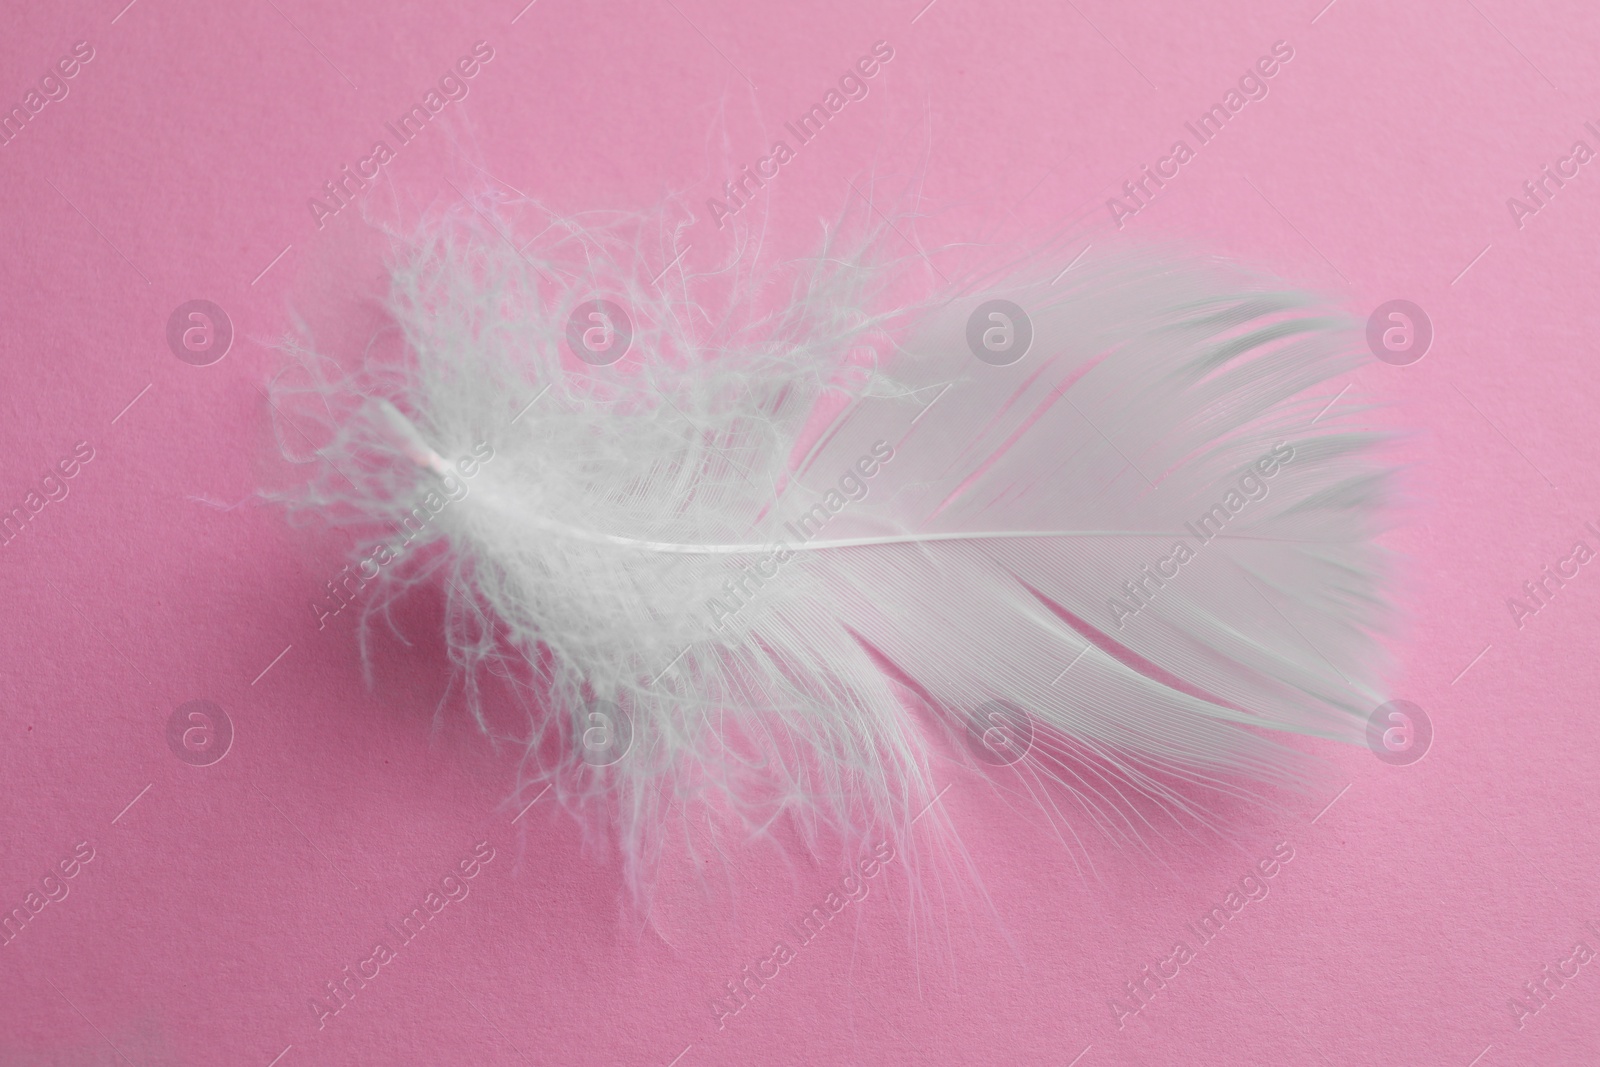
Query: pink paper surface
220 899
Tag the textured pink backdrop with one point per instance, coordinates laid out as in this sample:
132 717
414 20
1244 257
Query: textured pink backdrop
220 898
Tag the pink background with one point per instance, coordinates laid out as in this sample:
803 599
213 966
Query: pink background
179 167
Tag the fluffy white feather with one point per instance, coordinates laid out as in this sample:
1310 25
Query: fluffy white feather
796 538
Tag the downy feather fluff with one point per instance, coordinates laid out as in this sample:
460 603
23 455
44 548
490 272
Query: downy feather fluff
809 544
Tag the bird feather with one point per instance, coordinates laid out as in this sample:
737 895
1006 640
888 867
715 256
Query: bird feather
792 550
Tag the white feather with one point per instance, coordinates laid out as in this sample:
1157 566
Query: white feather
980 565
